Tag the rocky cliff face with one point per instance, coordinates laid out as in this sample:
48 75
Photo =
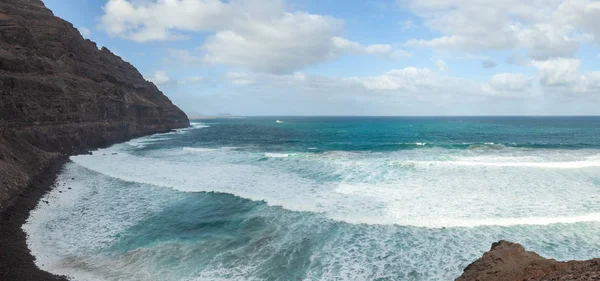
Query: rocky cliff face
508 261
60 94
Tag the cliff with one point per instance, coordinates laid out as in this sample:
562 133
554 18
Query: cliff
508 261
60 95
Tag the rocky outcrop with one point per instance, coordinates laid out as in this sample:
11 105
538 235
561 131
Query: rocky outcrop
60 94
508 261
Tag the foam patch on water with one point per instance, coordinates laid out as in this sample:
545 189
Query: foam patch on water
157 138
140 211
106 228
277 155
441 190
553 165
83 216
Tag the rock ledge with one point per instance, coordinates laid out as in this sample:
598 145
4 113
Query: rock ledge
507 261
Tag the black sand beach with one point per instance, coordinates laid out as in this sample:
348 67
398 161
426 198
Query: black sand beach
16 262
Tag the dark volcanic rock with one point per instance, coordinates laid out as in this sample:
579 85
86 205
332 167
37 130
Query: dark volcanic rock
60 94
508 261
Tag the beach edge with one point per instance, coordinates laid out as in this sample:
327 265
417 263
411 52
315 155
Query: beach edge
16 260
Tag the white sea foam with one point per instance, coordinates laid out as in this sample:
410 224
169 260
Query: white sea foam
455 211
277 155
145 141
554 165
413 143
192 126
84 214
374 188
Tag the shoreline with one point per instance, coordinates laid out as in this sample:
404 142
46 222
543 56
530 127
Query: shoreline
504 260
16 260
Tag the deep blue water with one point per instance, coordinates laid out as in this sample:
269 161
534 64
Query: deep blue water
324 198
396 133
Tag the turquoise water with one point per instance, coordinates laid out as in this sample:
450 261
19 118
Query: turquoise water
323 198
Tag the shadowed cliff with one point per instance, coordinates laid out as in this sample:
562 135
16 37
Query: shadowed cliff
60 94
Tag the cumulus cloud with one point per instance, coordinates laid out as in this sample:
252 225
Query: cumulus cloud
148 20
402 91
442 66
563 75
240 78
258 35
185 58
160 78
423 81
384 50
512 82
85 32
545 29
584 14
414 83
277 44
558 71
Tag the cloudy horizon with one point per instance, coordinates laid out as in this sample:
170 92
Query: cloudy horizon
376 57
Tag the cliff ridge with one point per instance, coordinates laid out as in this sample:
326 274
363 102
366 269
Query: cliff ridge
60 95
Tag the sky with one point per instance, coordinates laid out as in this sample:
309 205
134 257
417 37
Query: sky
351 57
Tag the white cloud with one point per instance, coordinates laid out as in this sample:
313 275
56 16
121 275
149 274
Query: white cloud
404 91
584 14
240 78
278 44
385 50
410 79
442 66
185 57
511 82
257 35
85 32
563 76
410 82
160 78
558 72
147 21
545 29
424 82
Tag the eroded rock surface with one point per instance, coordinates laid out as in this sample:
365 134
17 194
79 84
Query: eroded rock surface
508 261
60 94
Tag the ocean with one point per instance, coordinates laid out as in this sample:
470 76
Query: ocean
323 198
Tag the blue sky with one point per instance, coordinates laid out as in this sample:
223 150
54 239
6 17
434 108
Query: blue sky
373 57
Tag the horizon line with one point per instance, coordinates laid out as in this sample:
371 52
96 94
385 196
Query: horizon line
233 116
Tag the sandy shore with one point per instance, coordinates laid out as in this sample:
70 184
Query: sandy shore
16 261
